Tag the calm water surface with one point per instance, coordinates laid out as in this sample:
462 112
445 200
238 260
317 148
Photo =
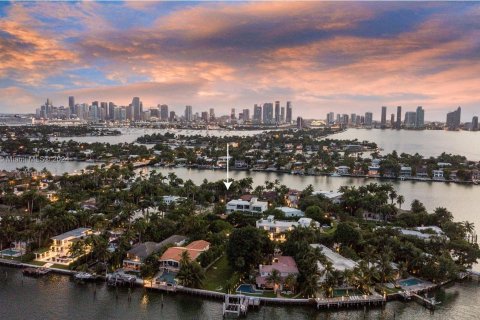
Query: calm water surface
426 142
57 297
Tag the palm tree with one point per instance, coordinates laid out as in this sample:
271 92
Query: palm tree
291 282
400 201
274 279
191 273
310 285
392 195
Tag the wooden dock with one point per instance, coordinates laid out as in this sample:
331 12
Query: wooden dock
235 305
429 303
351 301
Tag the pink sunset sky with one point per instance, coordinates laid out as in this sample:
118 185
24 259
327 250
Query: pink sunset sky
323 56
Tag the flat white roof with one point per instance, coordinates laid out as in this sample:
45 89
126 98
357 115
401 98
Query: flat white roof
338 261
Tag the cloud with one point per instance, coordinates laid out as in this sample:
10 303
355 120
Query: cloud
321 55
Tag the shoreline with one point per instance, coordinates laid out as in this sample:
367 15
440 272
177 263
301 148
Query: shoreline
373 300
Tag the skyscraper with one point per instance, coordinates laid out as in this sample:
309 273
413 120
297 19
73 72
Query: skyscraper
188 114
212 114
111 110
268 113
257 114
71 104
392 120
164 112
475 123
330 118
399 117
368 118
246 115
289 116
410 119
300 123
453 119
137 109
277 112
282 114
205 116
420 122
233 114
383 120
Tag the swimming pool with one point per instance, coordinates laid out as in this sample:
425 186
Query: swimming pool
10 252
248 288
347 292
410 282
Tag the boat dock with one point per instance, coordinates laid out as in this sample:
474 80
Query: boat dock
237 305
351 301
429 303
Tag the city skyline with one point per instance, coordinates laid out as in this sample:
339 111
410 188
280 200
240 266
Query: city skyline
323 57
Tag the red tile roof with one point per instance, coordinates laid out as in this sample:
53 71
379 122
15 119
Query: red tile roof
199 245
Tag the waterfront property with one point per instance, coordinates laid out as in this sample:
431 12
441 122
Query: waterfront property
284 265
137 255
277 229
170 259
335 197
60 251
339 262
252 206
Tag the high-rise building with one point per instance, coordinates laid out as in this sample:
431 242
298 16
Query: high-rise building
392 120
129 112
420 122
368 118
233 114
246 115
353 119
277 112
164 112
172 116
300 123
330 118
282 114
137 107
475 123
212 114
289 116
383 120
111 110
410 119
71 104
268 113
205 116
257 114
453 119
399 117
188 114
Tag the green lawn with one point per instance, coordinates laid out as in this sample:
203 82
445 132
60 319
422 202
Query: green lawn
59 266
218 275
36 263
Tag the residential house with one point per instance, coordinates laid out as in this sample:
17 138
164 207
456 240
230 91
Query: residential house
170 259
291 212
335 197
422 173
252 206
60 250
285 265
137 255
343 170
438 174
276 228
405 172
339 262
173 199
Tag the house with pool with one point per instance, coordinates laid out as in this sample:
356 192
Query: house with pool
170 259
60 250
140 251
339 262
285 265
